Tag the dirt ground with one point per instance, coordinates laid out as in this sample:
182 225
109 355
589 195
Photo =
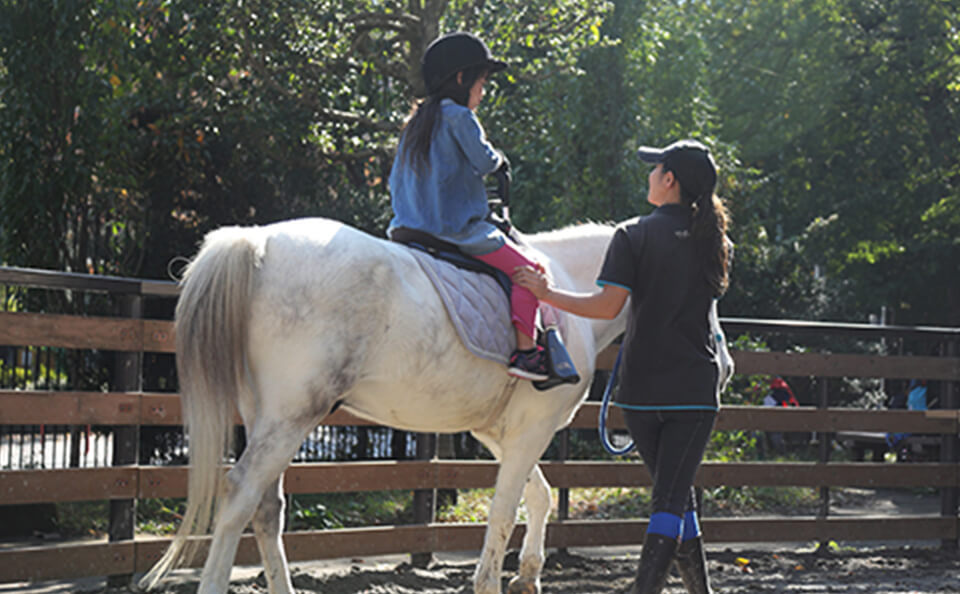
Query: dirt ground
875 570
896 567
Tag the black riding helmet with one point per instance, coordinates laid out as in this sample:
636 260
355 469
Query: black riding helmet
449 54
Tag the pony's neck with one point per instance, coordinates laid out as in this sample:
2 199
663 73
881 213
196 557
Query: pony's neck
578 249
578 252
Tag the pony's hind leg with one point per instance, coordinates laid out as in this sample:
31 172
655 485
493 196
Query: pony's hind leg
536 499
267 454
268 527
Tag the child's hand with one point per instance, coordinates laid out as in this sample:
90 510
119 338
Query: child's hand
533 279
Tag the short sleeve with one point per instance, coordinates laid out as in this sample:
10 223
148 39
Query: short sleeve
619 265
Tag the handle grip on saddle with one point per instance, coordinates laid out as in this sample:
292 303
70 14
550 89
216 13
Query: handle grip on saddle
502 191
499 196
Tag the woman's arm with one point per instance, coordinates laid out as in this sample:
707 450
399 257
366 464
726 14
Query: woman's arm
605 303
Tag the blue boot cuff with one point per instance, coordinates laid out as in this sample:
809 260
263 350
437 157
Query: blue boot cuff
691 526
666 524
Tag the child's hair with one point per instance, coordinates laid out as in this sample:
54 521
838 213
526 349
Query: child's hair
419 129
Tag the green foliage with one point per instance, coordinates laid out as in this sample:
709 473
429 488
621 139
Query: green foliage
472 506
732 446
737 501
38 377
160 516
137 126
850 116
343 510
309 512
315 516
63 162
82 519
610 503
128 129
746 389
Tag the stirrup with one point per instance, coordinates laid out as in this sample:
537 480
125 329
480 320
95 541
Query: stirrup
559 365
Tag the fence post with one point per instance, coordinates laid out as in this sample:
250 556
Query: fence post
126 378
948 447
563 493
424 500
825 441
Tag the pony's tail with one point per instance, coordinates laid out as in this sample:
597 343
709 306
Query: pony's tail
211 332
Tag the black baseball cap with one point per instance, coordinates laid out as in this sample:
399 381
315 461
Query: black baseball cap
449 54
689 160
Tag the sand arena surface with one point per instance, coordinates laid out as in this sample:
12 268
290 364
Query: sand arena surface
900 567
889 570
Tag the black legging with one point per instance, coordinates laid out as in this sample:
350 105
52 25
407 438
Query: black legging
671 444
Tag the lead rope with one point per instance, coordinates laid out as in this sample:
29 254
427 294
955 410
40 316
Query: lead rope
602 424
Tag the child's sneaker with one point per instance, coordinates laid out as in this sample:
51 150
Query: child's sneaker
531 365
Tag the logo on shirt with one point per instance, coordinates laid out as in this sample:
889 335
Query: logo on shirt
682 234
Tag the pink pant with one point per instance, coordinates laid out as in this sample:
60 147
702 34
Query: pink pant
523 304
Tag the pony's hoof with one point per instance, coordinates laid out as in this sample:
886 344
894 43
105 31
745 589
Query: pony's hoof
521 586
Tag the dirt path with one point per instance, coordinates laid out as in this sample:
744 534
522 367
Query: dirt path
880 568
877 571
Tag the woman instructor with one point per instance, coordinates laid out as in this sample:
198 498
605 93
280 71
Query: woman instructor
672 264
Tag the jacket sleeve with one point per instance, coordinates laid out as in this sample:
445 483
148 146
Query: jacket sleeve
472 140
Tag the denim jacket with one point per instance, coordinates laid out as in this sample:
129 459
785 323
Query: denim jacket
447 199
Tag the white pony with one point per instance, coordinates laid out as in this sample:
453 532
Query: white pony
284 321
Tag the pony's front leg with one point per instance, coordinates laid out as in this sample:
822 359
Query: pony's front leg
518 457
268 527
536 498
503 513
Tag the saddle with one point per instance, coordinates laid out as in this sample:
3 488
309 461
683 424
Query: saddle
448 252
559 364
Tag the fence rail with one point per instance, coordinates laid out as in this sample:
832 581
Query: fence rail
146 482
125 408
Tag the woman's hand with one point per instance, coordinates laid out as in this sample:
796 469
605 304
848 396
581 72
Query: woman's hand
532 279
604 304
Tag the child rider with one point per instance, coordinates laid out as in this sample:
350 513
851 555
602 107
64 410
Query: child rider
436 184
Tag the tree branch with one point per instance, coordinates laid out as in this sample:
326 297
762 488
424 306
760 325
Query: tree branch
379 20
348 117
326 113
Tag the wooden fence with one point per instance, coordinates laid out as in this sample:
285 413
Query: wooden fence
126 408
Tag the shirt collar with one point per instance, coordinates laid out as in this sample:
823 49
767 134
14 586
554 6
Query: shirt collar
674 209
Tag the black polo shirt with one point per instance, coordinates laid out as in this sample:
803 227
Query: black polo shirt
670 358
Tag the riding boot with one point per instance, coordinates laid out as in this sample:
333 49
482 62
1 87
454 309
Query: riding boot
692 566
655 559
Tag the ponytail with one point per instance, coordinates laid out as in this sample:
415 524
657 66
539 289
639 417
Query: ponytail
418 131
709 231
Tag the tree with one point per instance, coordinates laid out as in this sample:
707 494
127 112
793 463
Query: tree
233 113
63 167
847 112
